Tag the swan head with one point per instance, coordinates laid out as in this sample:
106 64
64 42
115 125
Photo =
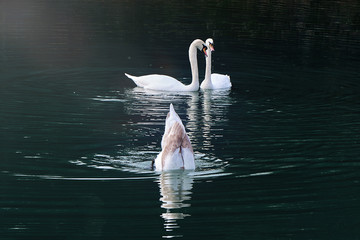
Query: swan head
171 118
200 45
210 44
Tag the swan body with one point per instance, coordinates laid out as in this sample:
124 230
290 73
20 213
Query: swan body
167 83
177 152
215 80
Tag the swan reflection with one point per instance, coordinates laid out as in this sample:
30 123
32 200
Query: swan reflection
175 190
205 109
157 102
215 108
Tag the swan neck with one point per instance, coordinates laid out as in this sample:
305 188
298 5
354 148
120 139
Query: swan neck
208 66
194 68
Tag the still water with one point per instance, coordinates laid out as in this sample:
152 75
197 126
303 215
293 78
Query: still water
277 156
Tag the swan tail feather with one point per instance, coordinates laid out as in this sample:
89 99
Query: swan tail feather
135 80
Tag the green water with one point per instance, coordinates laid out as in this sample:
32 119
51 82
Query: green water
277 156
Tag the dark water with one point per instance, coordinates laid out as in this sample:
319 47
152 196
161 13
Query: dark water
277 156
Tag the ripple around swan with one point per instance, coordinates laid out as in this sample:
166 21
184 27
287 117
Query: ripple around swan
136 164
139 162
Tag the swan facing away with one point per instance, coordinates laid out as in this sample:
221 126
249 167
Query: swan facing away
215 80
167 83
177 152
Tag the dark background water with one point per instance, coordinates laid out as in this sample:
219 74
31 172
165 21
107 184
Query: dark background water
277 155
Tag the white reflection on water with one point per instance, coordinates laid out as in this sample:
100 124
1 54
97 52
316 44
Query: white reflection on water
214 110
206 111
156 103
175 190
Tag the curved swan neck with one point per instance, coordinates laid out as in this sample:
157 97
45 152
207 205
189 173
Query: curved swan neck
194 86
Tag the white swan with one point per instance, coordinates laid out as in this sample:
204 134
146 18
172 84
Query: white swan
215 80
177 152
167 83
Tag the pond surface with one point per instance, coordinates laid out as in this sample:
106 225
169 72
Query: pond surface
277 156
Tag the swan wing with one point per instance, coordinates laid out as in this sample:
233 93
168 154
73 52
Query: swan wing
177 151
220 81
187 153
157 82
172 140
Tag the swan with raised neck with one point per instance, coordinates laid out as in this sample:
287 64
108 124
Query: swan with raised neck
167 83
215 80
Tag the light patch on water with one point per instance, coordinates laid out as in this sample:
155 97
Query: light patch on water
103 167
255 174
18 227
54 177
33 157
78 162
260 174
107 99
211 174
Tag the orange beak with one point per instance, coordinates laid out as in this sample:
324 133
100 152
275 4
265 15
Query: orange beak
204 50
211 47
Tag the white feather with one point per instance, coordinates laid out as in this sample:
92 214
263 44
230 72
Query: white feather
167 83
177 152
213 80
